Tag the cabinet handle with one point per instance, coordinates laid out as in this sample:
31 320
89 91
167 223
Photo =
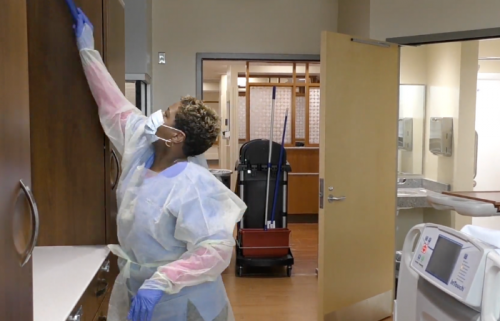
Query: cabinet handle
103 290
118 169
78 316
106 266
36 222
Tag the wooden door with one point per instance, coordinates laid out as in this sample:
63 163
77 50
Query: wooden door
67 141
358 153
16 232
114 58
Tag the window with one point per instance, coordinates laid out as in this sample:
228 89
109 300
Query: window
297 89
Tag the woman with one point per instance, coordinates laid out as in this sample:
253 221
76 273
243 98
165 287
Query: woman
175 219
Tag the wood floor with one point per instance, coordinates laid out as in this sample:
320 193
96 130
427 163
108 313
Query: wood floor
259 298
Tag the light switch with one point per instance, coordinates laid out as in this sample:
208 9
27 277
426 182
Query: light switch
161 58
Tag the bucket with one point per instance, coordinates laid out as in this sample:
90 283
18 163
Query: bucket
259 243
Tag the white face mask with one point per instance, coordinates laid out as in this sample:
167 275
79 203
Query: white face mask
154 122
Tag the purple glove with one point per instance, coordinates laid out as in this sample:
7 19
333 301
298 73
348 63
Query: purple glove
143 304
84 31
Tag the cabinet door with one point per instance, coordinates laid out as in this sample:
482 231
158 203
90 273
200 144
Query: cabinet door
67 141
114 58
16 299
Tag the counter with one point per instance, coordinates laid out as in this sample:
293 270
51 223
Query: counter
61 274
412 198
412 192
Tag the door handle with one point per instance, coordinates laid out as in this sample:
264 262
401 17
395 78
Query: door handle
102 290
332 199
106 266
36 222
117 163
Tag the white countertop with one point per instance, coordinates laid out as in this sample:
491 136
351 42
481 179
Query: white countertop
61 274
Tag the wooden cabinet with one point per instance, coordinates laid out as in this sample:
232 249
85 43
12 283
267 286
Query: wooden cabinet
51 139
303 181
74 169
67 141
16 220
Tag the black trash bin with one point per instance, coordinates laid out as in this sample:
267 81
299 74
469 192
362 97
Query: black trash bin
224 175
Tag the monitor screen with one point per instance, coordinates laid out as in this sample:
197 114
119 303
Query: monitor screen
443 259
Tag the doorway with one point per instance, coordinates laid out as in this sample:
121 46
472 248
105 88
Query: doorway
240 91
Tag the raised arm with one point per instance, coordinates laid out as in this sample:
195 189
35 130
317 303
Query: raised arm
114 108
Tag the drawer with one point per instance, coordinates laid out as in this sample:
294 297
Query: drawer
303 191
102 313
95 294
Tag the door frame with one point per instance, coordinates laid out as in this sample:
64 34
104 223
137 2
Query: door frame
442 37
201 56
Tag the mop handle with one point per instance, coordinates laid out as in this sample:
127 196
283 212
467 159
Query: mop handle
276 188
269 159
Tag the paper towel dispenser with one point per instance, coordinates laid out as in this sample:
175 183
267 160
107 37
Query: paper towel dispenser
405 134
441 136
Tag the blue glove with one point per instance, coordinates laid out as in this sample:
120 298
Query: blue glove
84 31
143 304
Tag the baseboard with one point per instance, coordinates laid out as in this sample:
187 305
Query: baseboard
302 218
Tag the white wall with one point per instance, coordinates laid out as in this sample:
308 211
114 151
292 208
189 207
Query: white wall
413 71
487 115
488 171
138 37
443 91
183 28
412 105
413 66
397 18
489 48
451 92
354 17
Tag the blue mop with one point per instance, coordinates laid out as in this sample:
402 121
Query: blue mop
277 186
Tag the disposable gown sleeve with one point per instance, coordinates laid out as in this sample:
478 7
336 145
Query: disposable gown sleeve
205 221
114 108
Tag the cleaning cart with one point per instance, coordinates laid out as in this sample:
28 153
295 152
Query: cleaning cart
263 238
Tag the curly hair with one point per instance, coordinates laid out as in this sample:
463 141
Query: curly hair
200 123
